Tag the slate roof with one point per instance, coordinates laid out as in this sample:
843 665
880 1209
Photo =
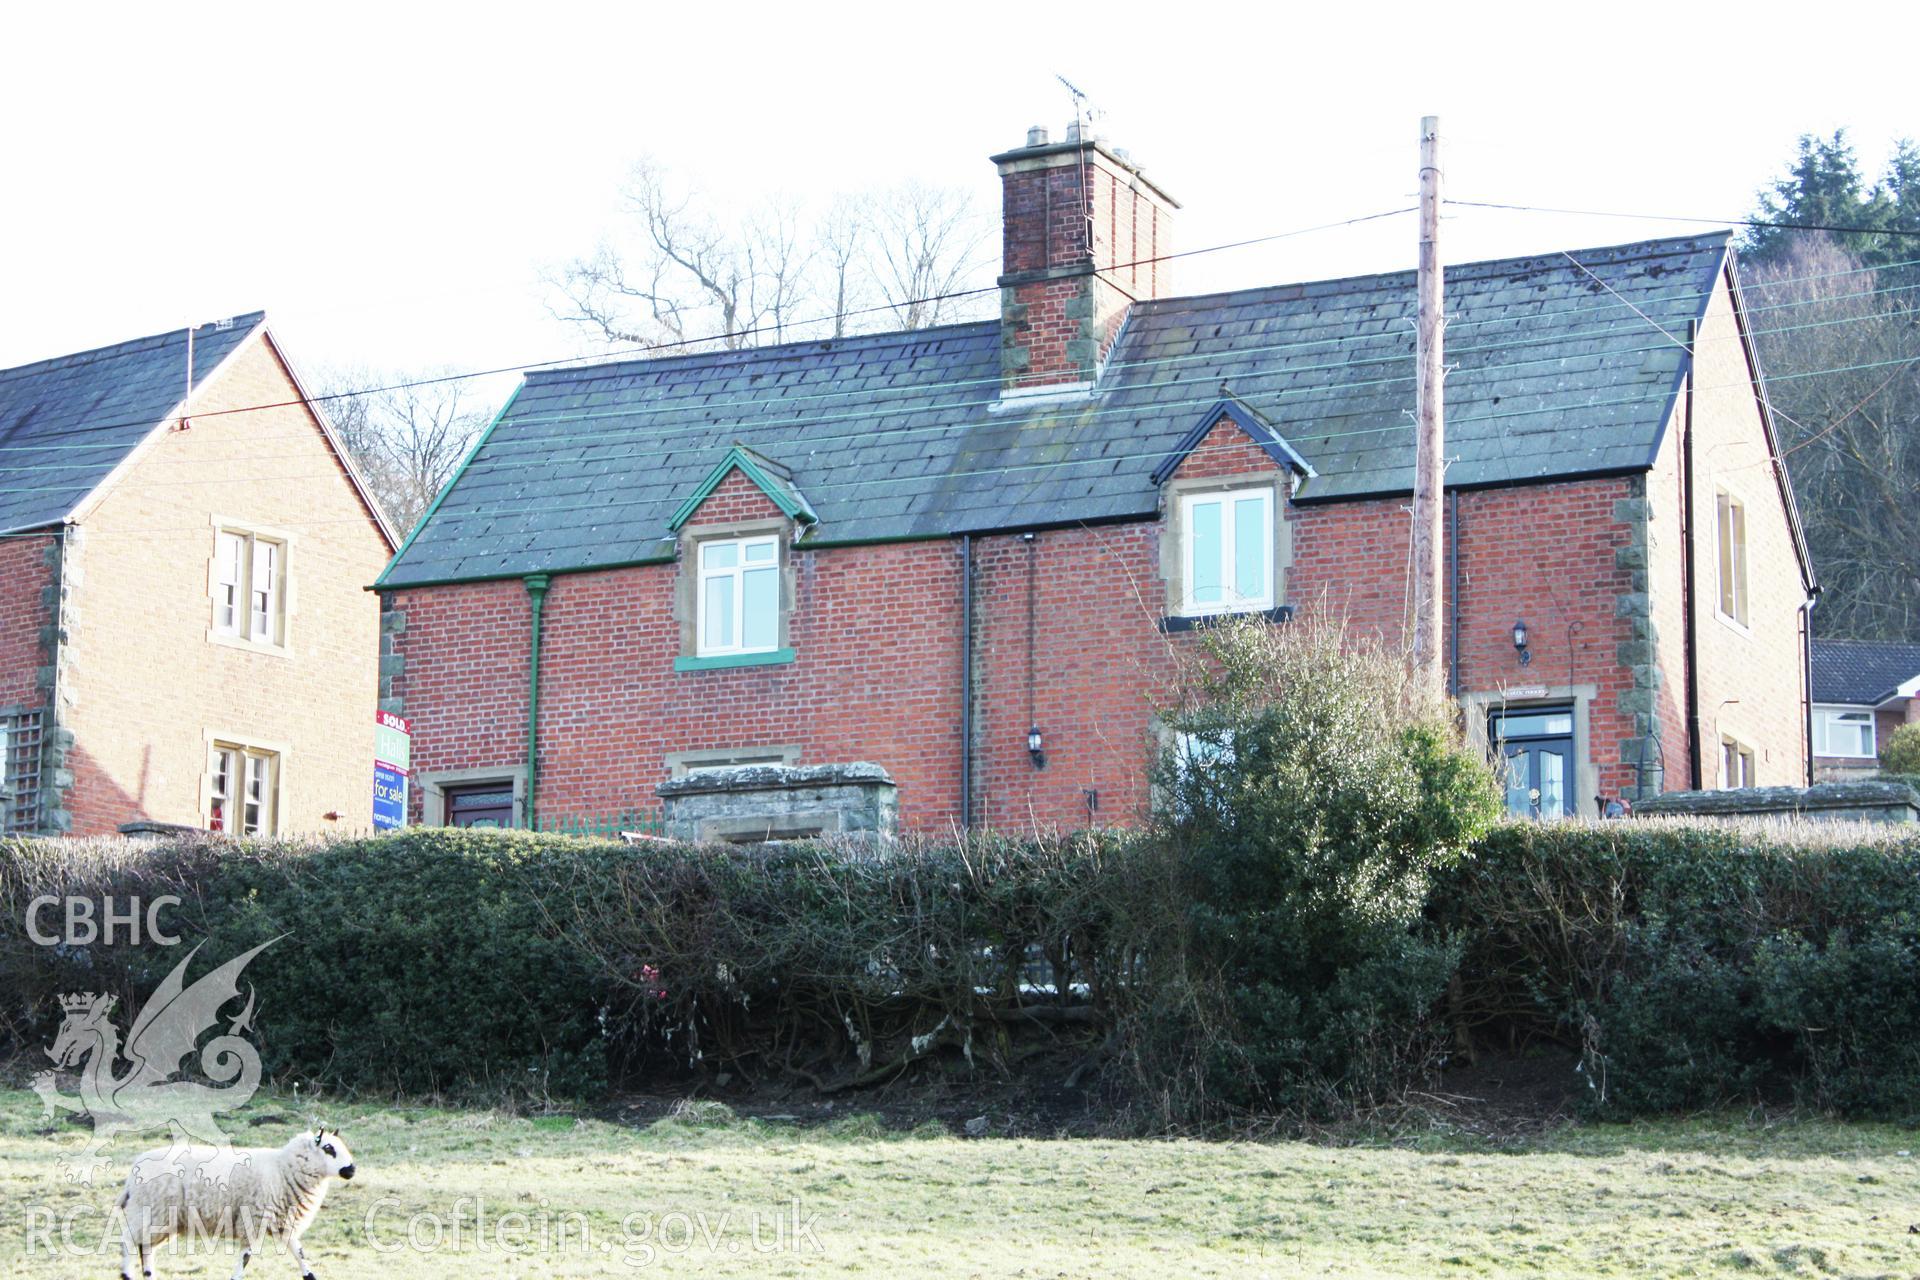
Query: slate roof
66 423
903 435
1861 672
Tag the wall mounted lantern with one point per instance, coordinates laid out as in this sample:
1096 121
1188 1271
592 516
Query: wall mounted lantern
1036 747
1520 642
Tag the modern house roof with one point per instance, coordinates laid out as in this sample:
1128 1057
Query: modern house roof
1862 673
66 423
1560 369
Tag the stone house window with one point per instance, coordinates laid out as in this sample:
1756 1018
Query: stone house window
249 587
739 596
1736 764
1226 551
1731 529
243 790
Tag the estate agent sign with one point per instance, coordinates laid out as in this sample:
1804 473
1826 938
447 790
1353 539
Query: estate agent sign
392 760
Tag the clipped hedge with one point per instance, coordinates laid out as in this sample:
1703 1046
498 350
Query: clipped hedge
505 964
1699 965
423 962
1691 965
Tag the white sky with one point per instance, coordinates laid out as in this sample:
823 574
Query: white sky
388 181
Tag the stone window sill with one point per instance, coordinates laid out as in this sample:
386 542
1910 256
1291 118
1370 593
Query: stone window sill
1199 622
228 641
719 662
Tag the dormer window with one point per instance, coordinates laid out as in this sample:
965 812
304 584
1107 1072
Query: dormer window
1227 543
739 596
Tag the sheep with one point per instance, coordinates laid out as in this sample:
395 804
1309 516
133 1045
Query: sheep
243 1195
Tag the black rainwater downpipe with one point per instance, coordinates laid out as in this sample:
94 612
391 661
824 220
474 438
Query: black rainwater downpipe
537 584
1453 593
966 680
1806 675
1695 764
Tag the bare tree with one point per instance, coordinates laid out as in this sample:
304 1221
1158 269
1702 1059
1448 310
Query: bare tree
688 279
1843 370
692 277
924 244
845 286
407 434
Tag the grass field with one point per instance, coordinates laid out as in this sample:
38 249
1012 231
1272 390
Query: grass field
719 1196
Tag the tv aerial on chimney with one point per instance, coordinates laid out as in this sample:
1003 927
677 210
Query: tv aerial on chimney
1086 115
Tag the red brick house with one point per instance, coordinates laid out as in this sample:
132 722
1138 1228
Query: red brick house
185 638
919 548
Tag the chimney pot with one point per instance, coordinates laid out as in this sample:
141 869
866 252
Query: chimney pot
1073 132
1037 136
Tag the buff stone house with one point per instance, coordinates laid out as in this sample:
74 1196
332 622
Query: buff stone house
185 639
965 554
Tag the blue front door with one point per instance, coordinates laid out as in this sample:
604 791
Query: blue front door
1534 749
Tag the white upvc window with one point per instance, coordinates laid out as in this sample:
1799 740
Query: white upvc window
1227 551
243 790
249 587
1846 732
1730 524
739 607
1736 764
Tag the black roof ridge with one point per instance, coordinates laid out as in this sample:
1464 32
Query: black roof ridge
1454 270
1866 644
779 350
131 345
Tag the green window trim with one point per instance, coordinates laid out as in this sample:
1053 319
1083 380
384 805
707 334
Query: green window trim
720 661
779 489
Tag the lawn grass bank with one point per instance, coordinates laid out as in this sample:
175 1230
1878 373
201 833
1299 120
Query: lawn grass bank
1718 1196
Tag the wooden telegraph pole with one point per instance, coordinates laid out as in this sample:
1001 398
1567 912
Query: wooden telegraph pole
1430 432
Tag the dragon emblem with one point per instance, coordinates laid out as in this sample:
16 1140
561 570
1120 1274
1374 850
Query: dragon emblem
167 1031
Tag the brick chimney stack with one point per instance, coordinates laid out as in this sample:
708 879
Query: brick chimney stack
1082 224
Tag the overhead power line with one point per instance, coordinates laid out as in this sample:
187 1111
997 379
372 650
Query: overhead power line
1303 439
868 416
910 399
653 348
1670 217
607 505
1113 369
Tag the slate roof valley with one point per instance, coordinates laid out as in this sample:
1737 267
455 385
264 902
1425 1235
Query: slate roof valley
1560 370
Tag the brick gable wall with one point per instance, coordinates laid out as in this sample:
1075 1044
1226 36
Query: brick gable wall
148 685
